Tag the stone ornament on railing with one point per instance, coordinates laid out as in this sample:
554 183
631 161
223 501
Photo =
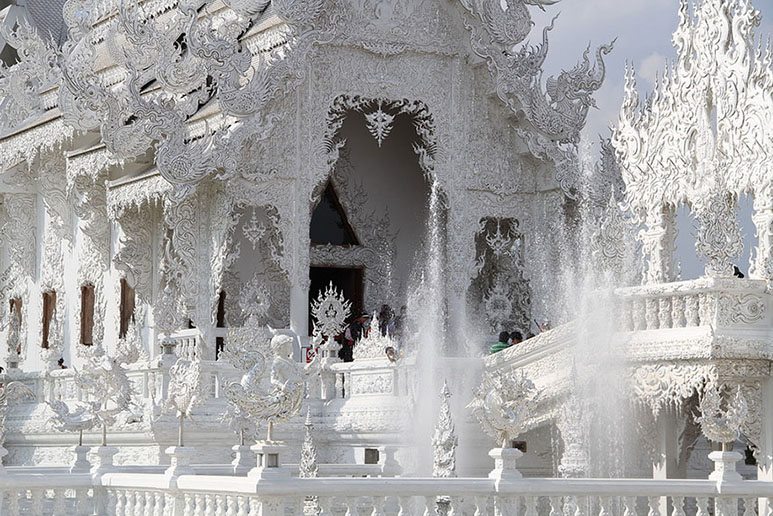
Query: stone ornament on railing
274 394
444 440
375 344
12 391
184 392
503 403
307 467
330 311
721 422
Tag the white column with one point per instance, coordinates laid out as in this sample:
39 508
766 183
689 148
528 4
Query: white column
762 261
765 451
666 453
659 243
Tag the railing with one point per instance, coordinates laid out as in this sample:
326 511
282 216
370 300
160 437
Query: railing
719 302
137 494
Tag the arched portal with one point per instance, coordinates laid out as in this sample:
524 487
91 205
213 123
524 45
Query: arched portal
369 220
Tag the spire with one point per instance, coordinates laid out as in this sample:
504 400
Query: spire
308 465
444 440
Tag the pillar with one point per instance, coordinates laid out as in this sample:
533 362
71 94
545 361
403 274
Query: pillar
762 262
659 243
765 450
666 459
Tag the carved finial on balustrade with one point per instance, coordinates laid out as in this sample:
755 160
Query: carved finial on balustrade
444 440
330 311
12 391
308 465
721 418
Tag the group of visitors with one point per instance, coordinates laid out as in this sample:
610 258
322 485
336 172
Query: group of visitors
390 324
508 339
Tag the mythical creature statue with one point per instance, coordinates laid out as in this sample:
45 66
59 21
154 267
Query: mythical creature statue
12 391
503 403
184 389
104 382
273 397
720 422
78 416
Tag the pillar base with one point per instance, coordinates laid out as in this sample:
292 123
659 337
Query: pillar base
243 458
504 463
180 461
268 458
104 464
724 466
81 464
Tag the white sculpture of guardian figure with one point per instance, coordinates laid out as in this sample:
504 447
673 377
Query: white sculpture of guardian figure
275 397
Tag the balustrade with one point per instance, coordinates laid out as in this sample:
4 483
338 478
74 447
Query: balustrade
122 494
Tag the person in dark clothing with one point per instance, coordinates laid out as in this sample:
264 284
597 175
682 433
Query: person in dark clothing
354 332
737 272
516 338
502 343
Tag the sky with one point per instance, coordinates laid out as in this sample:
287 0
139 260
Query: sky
643 30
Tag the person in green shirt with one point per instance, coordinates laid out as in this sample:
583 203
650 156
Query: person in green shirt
503 343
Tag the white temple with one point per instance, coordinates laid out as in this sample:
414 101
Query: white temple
197 197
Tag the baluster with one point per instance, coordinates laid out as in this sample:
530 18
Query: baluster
665 312
703 506
159 503
120 502
604 506
13 501
531 506
691 311
406 506
189 502
81 501
351 506
59 501
198 504
455 506
651 314
706 308
726 506
654 505
230 505
37 501
627 318
241 506
581 508
324 505
150 503
629 502
638 315
378 505
556 508
749 506
430 506
254 505
130 503
209 505
678 506
677 312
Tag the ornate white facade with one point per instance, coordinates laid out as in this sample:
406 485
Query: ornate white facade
183 181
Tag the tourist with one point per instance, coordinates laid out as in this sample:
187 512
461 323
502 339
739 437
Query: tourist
60 363
356 330
386 318
398 324
516 338
737 272
502 343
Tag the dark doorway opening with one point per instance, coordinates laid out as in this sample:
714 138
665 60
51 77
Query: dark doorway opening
348 280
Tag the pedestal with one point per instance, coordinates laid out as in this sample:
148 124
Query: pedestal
269 465
3 453
724 466
81 464
389 465
104 463
180 461
243 459
504 463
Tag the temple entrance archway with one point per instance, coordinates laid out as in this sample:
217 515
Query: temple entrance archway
375 201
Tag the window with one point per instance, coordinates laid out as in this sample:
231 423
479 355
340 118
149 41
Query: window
329 224
220 323
87 315
127 308
49 307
